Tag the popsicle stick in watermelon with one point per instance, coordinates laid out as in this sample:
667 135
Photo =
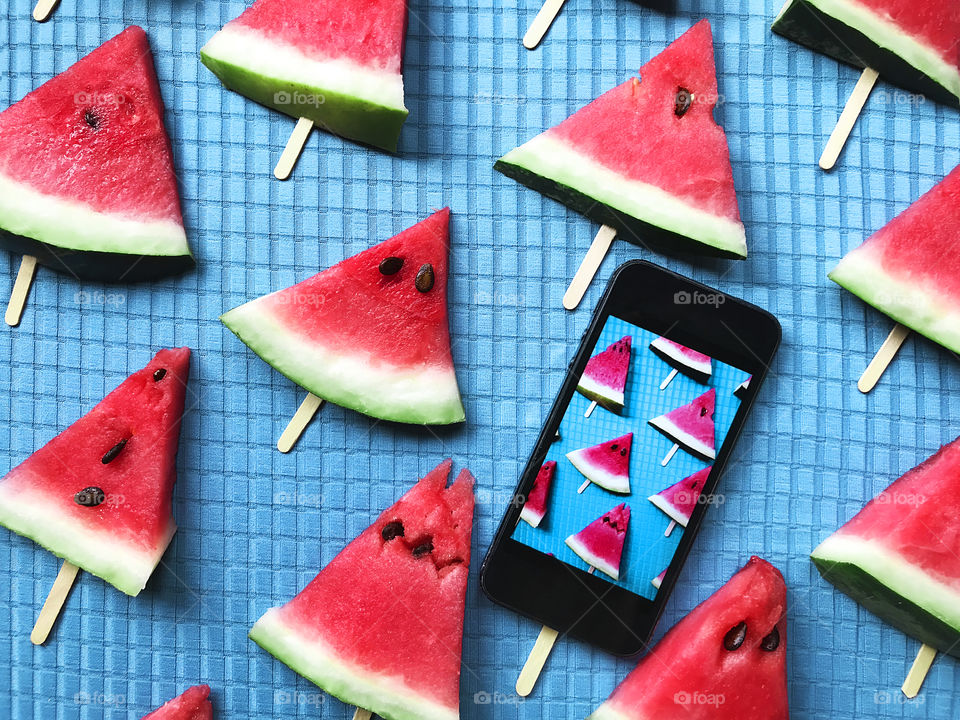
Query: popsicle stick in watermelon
600 544
899 557
99 494
691 363
541 23
21 288
327 63
645 159
86 175
381 626
604 379
680 499
369 333
535 507
658 580
536 660
193 704
908 270
912 45
606 464
726 658
690 427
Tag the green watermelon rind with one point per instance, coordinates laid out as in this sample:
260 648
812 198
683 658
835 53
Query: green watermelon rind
632 207
909 302
605 712
893 589
868 40
388 697
344 98
602 395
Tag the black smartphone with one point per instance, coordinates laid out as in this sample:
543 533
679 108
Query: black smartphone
627 464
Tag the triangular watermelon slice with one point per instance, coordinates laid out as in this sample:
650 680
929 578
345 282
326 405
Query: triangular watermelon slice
535 507
899 556
680 499
606 464
605 377
912 44
381 626
600 544
691 363
194 704
726 659
336 63
646 155
86 174
691 426
369 333
98 494
910 269
658 580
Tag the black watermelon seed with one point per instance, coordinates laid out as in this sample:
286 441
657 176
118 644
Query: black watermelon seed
684 100
391 265
425 279
703 411
159 374
772 641
89 497
614 446
735 636
623 452
423 548
392 530
112 453
91 118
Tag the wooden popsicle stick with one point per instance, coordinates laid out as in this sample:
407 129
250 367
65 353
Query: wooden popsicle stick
588 267
918 671
885 355
670 527
669 456
586 484
589 412
361 714
298 423
43 8
21 288
536 660
54 602
848 118
541 23
291 153
668 379
592 570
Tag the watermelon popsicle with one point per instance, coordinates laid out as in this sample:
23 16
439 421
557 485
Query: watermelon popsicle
600 544
193 704
535 507
691 363
604 378
680 499
690 427
606 464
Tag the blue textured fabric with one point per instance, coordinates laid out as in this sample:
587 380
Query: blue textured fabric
256 525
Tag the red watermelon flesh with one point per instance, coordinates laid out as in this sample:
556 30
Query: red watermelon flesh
194 704
680 499
381 625
691 425
600 544
606 464
605 377
122 538
726 660
535 507
935 22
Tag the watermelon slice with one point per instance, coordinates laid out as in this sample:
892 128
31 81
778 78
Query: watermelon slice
742 388
899 556
606 464
909 268
86 173
536 505
336 63
605 377
98 494
194 704
726 660
912 44
680 499
691 426
600 544
381 626
646 155
370 333
658 580
691 363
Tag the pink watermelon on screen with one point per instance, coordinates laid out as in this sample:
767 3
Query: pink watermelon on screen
606 464
690 362
194 704
536 505
658 580
600 544
680 499
605 377
691 426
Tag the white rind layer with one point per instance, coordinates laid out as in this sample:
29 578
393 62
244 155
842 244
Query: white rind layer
670 511
76 226
588 385
596 475
573 542
557 161
913 303
656 582
895 572
531 517
238 45
389 697
100 552
683 439
605 712
673 352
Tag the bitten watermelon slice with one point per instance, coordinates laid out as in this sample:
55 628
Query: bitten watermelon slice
86 173
910 269
605 376
370 333
899 556
536 505
600 544
680 499
912 44
336 63
691 426
606 464
98 494
726 660
381 626
691 363
646 155
194 704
